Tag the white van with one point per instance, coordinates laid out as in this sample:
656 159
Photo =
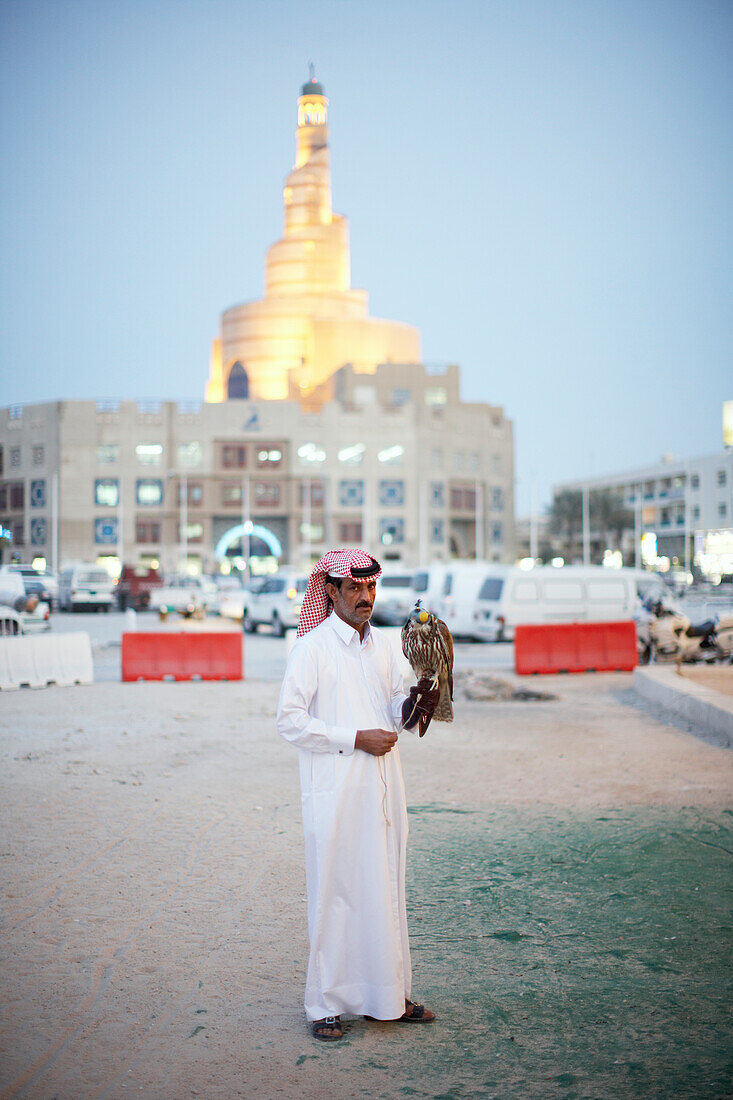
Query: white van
459 585
85 585
395 597
510 596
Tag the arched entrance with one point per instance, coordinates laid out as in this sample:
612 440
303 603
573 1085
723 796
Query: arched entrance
263 545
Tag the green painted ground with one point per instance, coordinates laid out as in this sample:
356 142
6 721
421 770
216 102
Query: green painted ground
567 957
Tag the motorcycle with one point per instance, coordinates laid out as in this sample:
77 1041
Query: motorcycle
666 634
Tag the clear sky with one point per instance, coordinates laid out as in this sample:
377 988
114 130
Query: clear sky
543 188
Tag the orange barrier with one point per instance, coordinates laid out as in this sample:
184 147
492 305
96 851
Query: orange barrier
181 656
575 647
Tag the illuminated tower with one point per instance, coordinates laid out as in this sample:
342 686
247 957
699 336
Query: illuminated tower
310 322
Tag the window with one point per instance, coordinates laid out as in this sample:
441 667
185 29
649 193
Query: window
231 492
392 455
462 499
611 589
38 494
400 397
38 532
364 395
17 496
147 530
648 490
107 453
195 494
317 491
496 464
268 455
720 477
665 517
497 534
437 494
18 534
15 456
435 396
190 455
353 455
313 532
3 498
459 460
37 454
391 531
696 512
559 590
107 492
437 531
351 493
420 580
233 456
695 481
722 510
350 532
238 383
105 531
497 499
526 591
149 454
149 490
392 492
436 458
491 588
473 461
193 532
311 452
267 493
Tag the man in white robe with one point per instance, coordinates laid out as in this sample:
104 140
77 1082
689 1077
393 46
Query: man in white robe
341 705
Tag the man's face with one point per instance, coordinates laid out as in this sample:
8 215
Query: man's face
353 601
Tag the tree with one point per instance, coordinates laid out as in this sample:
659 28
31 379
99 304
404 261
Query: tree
566 520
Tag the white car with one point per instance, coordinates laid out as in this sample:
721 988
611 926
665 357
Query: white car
40 582
395 597
180 592
276 603
13 597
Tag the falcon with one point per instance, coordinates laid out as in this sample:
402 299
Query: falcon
427 644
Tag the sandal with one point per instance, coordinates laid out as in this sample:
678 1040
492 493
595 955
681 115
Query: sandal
416 1014
330 1026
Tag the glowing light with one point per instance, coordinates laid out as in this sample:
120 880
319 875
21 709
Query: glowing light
391 454
352 455
311 452
613 559
649 548
526 563
558 562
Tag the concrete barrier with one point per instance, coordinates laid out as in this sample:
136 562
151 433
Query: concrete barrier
184 655
575 647
61 659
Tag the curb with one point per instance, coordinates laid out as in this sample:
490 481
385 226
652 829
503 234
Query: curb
709 712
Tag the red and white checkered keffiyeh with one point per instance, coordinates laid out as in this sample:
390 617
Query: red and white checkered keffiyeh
316 605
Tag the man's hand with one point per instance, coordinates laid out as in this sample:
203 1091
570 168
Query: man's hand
376 742
421 702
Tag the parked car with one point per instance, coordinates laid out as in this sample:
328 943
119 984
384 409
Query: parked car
395 597
234 602
276 603
10 622
33 614
180 592
135 585
85 585
43 584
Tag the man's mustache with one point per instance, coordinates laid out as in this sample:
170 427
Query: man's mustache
364 603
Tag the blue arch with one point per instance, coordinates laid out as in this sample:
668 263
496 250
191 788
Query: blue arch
235 534
238 383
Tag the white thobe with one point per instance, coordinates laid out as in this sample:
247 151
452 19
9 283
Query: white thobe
354 820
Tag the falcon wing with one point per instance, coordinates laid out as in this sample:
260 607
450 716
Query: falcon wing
445 641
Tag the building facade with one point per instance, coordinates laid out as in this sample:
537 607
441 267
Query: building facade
682 509
321 427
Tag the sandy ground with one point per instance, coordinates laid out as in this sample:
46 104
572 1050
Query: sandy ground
152 863
717 678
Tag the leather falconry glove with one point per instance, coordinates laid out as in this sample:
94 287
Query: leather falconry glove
421 702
